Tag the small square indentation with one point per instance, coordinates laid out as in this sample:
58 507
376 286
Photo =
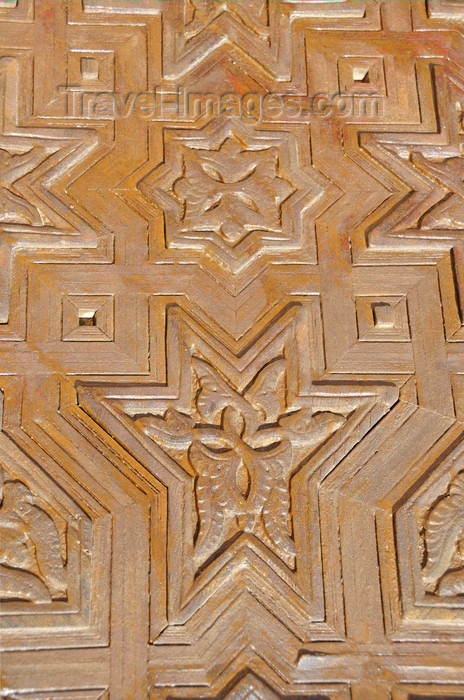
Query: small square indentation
383 318
361 74
91 70
384 314
88 317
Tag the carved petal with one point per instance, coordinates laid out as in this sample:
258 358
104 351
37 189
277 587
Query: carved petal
233 420
242 479
215 395
267 391
215 504
174 426
312 428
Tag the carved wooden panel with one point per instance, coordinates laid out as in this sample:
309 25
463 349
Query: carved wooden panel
231 357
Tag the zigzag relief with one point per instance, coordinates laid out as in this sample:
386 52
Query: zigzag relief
256 32
13 207
245 455
32 162
252 485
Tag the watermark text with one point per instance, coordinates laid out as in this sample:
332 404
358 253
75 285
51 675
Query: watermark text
250 107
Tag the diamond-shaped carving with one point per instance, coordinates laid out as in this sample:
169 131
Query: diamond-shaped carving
382 318
88 317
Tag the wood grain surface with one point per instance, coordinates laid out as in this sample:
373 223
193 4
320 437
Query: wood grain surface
231 357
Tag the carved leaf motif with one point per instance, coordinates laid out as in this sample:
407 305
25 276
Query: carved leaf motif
267 392
30 547
242 451
444 525
215 394
215 503
174 427
310 427
276 509
231 191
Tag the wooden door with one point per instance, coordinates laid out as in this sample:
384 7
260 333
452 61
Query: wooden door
232 367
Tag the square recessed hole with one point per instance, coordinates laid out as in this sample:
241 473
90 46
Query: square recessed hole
89 68
384 315
361 75
87 317
382 318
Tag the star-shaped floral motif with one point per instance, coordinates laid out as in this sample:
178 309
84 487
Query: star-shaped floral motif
233 194
243 449
232 191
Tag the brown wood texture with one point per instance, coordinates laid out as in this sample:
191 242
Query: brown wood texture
231 357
